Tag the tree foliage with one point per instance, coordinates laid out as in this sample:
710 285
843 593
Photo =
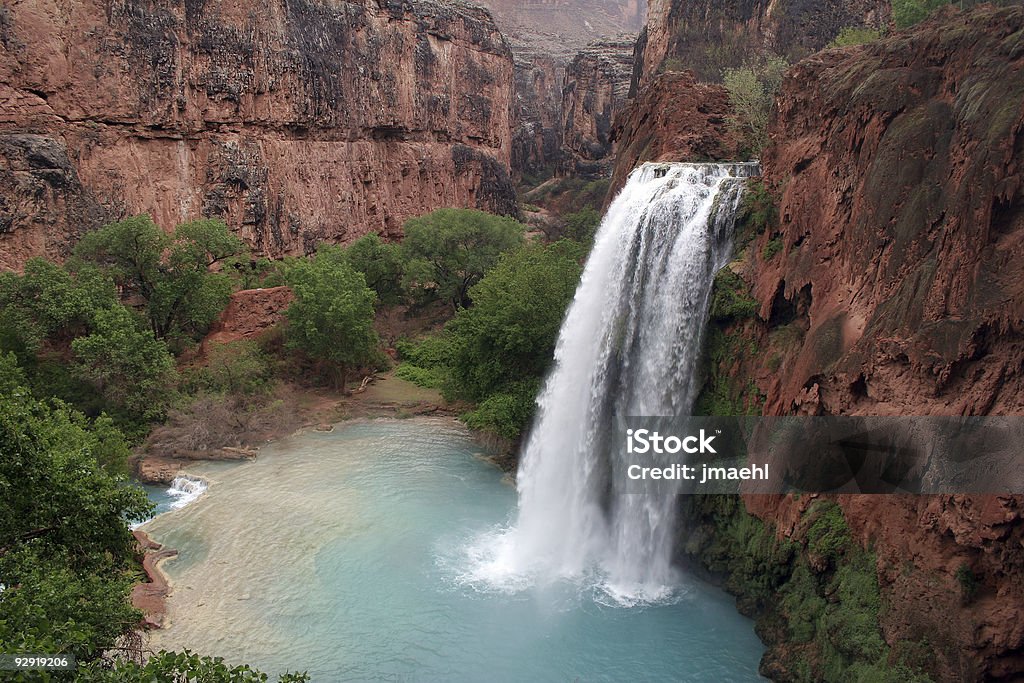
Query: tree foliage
496 353
133 371
49 302
173 274
448 251
65 547
752 92
381 264
181 667
331 319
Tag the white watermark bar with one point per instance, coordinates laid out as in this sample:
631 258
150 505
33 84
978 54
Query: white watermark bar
774 455
36 662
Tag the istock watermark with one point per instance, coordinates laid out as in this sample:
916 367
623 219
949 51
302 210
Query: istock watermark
874 455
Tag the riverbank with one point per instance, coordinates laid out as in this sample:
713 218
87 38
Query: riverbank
383 395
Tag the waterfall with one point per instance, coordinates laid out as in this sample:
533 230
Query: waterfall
629 346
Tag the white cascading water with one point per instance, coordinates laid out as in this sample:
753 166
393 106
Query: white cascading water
185 489
628 347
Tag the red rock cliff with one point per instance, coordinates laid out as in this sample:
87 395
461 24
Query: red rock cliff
296 121
899 290
709 35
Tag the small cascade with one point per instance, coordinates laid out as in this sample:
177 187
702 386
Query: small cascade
629 346
185 489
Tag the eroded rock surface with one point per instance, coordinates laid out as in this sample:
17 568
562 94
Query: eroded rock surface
899 290
297 122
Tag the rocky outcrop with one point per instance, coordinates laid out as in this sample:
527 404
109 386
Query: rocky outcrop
297 122
150 596
892 283
707 36
674 118
899 168
596 85
250 314
685 46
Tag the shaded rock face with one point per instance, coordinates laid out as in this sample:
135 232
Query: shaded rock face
674 118
297 122
546 36
596 86
708 36
561 28
537 136
900 171
899 168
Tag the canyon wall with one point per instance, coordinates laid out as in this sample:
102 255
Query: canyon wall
596 87
296 121
587 37
891 282
707 36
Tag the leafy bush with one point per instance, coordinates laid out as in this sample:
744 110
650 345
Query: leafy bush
508 412
179 667
331 319
240 367
909 12
730 298
448 251
855 35
752 92
772 248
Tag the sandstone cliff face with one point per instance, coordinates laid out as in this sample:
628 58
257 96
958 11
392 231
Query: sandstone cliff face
546 35
674 118
898 289
703 38
561 28
707 36
297 121
596 86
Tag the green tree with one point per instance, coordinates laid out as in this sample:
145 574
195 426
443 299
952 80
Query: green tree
331 319
131 370
48 302
65 547
448 251
752 93
503 346
582 226
380 263
173 274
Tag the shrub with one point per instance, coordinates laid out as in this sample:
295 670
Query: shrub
240 367
855 35
730 299
772 248
752 92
